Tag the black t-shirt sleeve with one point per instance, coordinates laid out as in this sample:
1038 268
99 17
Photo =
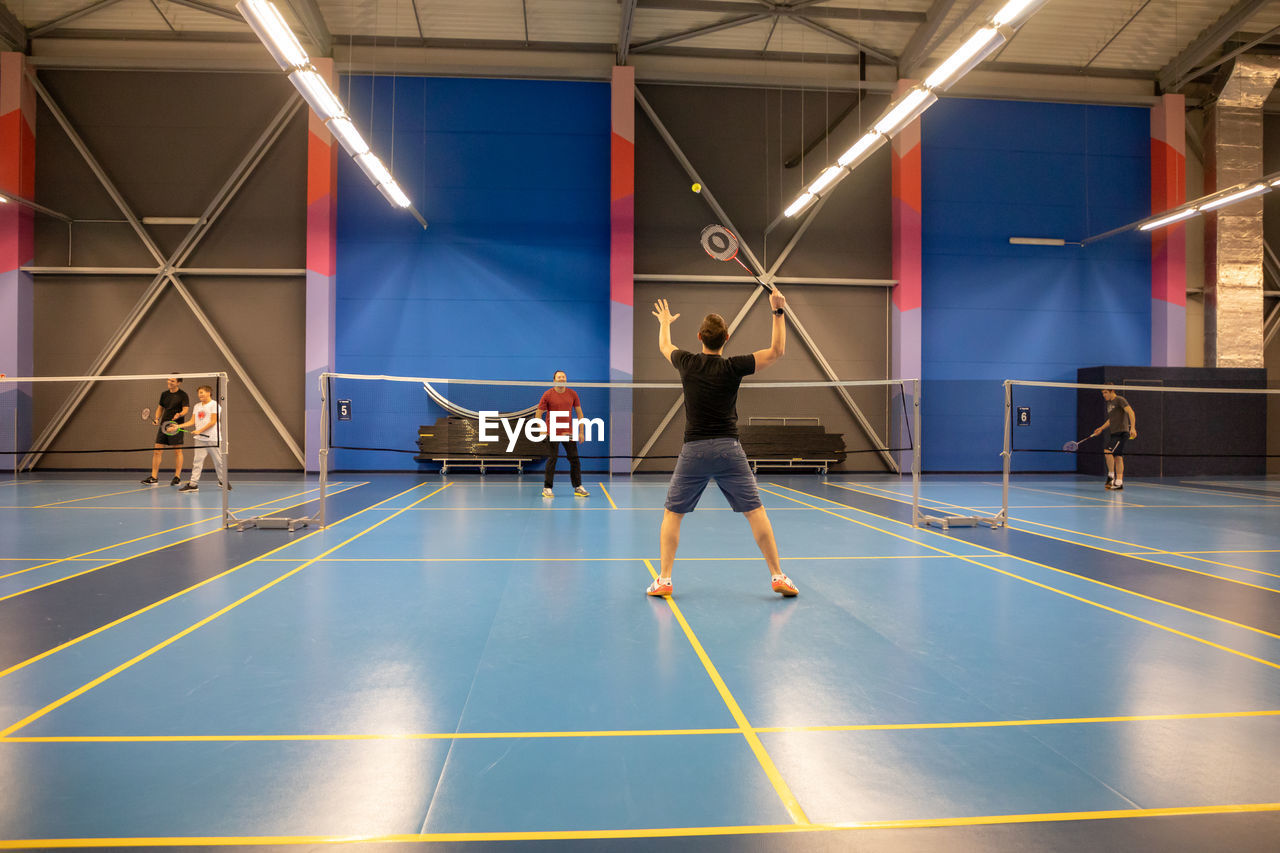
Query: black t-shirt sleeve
680 358
743 365
183 402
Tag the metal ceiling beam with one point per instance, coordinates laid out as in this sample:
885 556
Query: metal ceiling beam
49 26
915 51
229 14
825 13
1233 54
726 24
1174 75
312 20
13 35
626 16
861 47
164 17
1117 33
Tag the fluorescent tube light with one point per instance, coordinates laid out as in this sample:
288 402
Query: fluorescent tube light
1234 197
799 204
859 149
826 179
1037 241
316 92
1166 220
268 25
350 138
1013 10
171 220
977 48
373 167
912 104
394 194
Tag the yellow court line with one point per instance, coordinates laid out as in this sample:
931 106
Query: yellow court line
49 559
609 496
58 703
592 559
181 592
92 497
1142 556
132 556
1191 555
83 555
665 832
1269 501
1081 599
780 786
1221 619
851 727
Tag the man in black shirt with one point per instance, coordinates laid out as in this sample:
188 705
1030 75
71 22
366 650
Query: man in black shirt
711 449
1121 426
173 406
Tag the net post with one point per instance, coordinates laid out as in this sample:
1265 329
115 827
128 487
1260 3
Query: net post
1007 452
324 444
224 448
915 456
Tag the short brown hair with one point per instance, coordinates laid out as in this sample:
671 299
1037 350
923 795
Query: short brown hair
713 332
208 388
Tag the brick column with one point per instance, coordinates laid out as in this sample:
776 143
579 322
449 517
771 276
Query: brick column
622 219
322 259
1168 244
17 248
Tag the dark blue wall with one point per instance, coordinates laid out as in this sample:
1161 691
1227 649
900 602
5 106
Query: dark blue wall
511 279
992 311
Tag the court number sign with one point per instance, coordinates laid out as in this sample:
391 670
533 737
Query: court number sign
344 410
1024 416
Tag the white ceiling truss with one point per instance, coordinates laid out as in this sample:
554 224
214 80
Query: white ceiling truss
1103 51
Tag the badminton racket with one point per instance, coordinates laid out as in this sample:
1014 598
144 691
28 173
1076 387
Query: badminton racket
146 414
1073 446
171 428
722 244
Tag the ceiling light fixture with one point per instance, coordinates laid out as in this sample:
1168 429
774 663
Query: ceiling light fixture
906 109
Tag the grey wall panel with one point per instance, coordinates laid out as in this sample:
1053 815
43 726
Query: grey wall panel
849 325
739 140
169 142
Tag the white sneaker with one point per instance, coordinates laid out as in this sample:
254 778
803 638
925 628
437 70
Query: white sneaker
581 492
547 493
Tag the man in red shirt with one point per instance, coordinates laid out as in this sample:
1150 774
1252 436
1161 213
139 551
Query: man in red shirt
562 399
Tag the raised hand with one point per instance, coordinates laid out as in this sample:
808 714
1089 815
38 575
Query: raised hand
776 299
663 312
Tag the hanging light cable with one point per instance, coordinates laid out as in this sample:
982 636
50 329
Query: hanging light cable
270 27
906 109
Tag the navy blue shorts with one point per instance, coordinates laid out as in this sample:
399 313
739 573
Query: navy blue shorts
719 459
1116 442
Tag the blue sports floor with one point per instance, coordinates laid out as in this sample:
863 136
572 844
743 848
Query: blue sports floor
462 664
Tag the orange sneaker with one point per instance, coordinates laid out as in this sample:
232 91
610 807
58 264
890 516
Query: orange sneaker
661 586
783 586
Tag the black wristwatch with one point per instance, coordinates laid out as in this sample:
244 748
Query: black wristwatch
779 311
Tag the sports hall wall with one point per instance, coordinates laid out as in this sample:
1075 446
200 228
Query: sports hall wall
168 141
992 170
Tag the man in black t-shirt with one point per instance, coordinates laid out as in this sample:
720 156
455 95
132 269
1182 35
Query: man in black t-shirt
1121 425
711 449
173 406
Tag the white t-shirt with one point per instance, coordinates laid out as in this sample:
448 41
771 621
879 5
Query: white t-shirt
203 413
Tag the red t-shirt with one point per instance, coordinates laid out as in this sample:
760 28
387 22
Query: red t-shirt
559 401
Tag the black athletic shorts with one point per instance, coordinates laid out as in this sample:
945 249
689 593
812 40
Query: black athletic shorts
174 440
1116 442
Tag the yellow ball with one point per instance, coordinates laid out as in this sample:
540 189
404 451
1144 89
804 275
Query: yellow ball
697 188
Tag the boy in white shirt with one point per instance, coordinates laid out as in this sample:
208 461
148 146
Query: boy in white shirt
204 432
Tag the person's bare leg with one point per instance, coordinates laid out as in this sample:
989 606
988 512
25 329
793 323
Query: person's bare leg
762 530
669 540
1120 469
177 467
155 461
1111 464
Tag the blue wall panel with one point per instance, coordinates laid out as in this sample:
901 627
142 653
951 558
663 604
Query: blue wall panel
992 170
511 279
